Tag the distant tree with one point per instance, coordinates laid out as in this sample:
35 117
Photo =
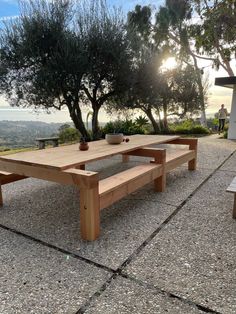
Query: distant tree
215 34
173 25
68 134
57 54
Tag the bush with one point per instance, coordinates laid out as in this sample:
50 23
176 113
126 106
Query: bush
188 127
68 134
127 127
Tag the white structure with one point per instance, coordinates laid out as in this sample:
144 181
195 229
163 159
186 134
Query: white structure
230 82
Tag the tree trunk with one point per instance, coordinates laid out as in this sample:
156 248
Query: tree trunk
95 125
201 93
76 117
149 114
165 121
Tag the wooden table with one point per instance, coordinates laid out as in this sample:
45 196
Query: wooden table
66 165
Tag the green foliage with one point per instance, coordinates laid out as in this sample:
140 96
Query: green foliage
188 127
141 121
215 33
68 134
58 53
127 127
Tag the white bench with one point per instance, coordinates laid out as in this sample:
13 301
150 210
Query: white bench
232 189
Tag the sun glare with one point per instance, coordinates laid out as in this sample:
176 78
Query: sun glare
169 64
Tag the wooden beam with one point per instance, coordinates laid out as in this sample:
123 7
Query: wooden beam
71 176
1 199
125 158
234 208
160 182
184 141
81 167
89 214
5 179
146 152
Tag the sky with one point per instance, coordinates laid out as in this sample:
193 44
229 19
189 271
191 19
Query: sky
217 95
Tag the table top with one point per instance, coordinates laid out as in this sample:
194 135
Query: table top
65 157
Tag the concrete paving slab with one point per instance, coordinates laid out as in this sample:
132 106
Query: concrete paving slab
39 280
180 184
50 212
124 297
194 255
230 164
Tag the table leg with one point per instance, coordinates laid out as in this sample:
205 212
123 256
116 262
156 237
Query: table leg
81 167
125 158
160 183
1 200
192 164
234 208
89 213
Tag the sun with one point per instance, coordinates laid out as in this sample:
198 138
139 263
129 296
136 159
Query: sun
169 64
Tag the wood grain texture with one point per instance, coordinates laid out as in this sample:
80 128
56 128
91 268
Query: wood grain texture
122 184
69 177
1 199
89 214
70 156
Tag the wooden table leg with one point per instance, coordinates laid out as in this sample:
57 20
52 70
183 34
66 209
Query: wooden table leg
192 164
89 213
234 208
1 199
160 183
81 167
125 158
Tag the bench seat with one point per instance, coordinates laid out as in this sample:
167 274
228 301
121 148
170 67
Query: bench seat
122 184
232 189
175 158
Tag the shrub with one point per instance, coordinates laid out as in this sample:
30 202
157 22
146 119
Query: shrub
189 127
68 134
128 127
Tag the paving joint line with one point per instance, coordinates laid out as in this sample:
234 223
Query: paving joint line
119 271
169 294
167 220
58 249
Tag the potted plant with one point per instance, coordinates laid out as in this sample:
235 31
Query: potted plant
83 144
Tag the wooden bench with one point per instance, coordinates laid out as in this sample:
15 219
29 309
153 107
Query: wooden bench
232 189
41 141
124 183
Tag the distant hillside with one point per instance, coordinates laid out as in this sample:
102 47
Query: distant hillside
23 133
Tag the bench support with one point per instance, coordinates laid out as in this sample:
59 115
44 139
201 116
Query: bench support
89 214
192 143
234 208
159 156
1 200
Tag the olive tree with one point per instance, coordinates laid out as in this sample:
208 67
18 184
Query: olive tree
61 53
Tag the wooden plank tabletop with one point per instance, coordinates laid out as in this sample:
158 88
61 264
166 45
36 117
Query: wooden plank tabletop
65 157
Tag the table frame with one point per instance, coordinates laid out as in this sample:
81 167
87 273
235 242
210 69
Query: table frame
91 202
